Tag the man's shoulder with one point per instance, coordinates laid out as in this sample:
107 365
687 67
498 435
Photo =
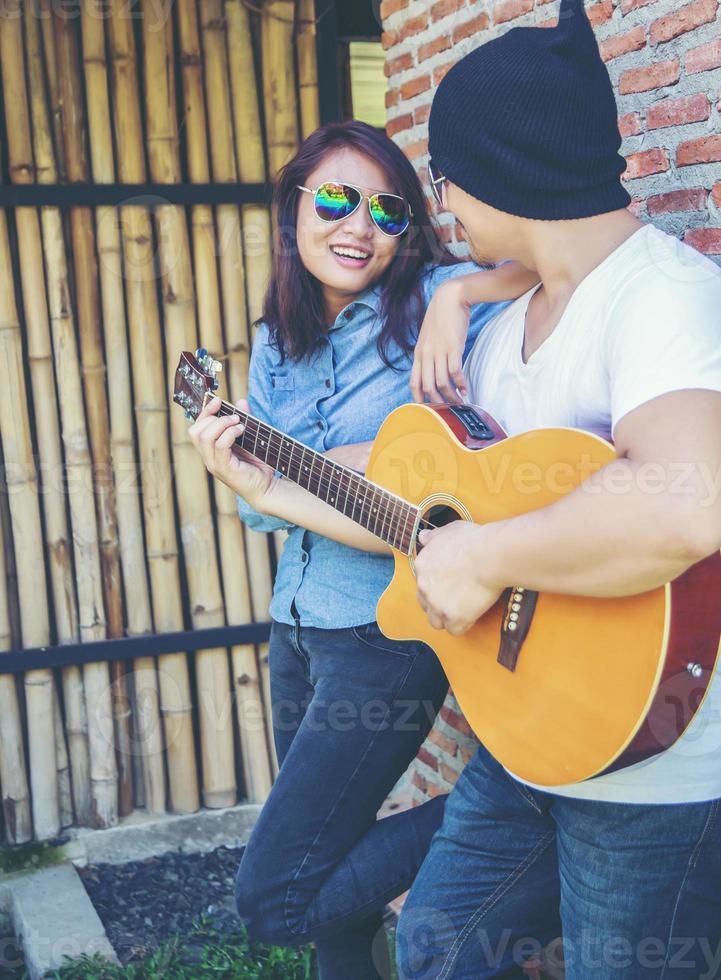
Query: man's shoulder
661 281
662 263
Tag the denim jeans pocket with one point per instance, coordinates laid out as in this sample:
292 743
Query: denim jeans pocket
370 634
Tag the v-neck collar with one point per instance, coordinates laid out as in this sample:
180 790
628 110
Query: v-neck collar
540 355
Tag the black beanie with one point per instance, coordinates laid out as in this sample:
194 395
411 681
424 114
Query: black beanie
528 123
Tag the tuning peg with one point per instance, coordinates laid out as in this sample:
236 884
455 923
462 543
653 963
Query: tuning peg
211 367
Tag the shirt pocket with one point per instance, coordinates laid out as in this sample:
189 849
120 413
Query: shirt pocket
282 396
282 381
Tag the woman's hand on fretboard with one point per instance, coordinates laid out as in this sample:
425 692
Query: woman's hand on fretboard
214 437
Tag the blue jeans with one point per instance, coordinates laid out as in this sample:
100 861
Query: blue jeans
635 890
350 710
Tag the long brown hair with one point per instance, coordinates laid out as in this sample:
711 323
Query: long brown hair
293 307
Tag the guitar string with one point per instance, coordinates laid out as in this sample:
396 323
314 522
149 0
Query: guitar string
390 500
399 511
286 455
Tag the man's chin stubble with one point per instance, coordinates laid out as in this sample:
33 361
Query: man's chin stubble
478 257
475 254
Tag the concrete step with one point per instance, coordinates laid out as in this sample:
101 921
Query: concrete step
54 918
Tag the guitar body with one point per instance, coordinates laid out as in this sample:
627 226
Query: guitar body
598 683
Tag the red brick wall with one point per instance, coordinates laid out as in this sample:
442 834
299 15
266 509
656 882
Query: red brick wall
664 59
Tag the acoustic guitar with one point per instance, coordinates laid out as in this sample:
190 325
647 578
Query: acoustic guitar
559 688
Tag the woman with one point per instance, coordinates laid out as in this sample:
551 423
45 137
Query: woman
356 261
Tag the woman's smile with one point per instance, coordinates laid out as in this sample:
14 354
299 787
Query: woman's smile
349 255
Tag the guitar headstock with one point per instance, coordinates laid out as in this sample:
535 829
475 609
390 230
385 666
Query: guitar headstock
196 376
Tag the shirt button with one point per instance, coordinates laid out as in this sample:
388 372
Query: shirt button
304 558
319 424
348 314
327 382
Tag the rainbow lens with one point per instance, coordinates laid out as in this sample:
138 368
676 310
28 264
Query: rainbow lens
389 213
335 201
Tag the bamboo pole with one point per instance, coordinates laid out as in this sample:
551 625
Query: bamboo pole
223 168
147 736
21 475
35 301
52 78
279 87
78 463
58 550
151 408
58 547
13 771
93 369
47 425
248 699
251 169
251 161
62 764
307 68
11 578
192 490
23 499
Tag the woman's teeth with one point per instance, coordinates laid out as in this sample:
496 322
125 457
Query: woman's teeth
350 253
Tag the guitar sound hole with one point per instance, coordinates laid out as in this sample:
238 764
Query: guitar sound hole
438 516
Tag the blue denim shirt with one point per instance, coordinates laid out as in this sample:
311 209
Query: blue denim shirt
340 395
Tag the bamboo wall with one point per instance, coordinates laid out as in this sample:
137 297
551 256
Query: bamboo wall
109 524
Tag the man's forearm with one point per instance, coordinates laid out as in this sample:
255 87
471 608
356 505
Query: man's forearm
596 541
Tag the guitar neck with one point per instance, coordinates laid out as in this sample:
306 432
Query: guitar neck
382 513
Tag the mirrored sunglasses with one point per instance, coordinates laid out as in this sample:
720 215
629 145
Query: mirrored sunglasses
334 200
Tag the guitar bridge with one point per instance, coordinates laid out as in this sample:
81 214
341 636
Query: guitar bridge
520 606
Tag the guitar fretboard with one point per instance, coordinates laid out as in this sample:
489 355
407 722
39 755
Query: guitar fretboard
379 511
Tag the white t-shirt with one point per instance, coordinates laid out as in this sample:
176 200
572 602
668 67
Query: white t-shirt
644 322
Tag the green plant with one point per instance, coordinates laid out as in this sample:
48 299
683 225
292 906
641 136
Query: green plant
30 857
202 954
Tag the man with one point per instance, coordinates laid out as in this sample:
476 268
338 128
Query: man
622 338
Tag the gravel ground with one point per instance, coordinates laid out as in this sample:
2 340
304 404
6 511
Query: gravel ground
143 903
